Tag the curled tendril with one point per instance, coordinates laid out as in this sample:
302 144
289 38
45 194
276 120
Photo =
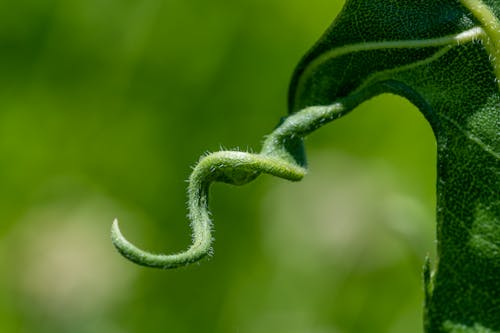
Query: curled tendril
231 167
281 156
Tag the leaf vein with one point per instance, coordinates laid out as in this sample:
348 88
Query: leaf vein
471 136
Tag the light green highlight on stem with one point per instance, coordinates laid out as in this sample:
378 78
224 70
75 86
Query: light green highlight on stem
491 26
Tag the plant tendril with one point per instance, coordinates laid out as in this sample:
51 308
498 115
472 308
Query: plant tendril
282 156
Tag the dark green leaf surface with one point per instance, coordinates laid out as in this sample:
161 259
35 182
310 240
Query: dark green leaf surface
444 57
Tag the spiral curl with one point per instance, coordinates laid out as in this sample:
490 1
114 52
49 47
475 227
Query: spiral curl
282 156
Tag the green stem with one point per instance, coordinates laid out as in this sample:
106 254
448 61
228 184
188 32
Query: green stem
491 26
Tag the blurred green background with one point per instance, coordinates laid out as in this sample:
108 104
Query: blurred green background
104 107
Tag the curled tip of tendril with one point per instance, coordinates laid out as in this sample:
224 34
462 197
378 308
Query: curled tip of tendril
144 258
231 167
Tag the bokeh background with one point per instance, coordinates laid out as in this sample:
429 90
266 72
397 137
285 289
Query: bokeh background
105 106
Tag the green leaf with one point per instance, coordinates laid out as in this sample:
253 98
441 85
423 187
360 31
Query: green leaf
444 56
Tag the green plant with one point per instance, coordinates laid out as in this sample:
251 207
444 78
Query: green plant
442 55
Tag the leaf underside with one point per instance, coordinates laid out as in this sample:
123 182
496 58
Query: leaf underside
399 46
